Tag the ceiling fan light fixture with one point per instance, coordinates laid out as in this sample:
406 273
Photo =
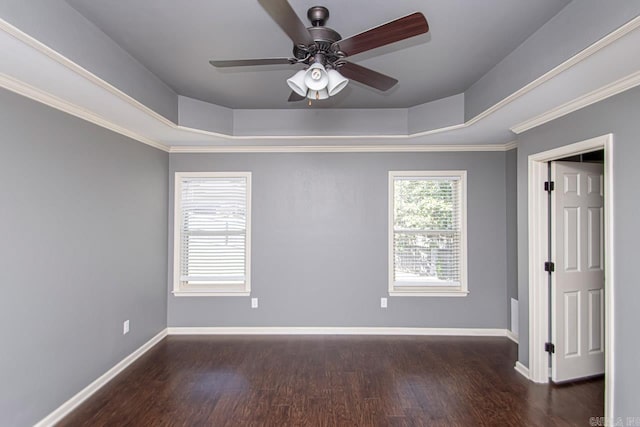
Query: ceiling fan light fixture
318 94
337 82
319 46
296 83
316 77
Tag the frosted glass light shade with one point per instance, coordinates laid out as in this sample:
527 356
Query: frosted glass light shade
316 77
337 82
296 83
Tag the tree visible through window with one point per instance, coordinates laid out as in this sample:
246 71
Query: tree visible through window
427 231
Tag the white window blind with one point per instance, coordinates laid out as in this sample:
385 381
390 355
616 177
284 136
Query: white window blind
427 232
213 233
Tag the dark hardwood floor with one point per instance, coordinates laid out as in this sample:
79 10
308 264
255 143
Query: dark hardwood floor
334 381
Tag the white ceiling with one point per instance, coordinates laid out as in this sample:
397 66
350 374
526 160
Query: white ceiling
175 41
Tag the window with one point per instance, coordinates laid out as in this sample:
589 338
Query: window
427 236
212 233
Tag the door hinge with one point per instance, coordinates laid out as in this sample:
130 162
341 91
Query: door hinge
549 347
549 186
549 266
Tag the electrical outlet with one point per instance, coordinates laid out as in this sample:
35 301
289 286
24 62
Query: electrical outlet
254 302
125 327
383 303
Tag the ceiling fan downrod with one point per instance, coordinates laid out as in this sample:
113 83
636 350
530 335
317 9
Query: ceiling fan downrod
318 15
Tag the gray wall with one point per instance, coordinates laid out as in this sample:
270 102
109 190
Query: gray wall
618 115
373 121
511 173
319 243
83 226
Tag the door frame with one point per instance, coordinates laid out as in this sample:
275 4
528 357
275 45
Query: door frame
538 225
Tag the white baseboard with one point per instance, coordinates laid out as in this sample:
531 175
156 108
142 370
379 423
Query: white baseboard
85 393
522 370
484 332
513 337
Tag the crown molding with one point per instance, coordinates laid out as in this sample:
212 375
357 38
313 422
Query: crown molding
510 145
227 149
60 104
597 95
68 63
36 94
577 58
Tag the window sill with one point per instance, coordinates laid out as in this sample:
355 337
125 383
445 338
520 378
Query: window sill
429 294
209 294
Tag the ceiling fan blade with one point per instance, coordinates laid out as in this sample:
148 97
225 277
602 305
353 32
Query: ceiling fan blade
391 32
367 76
294 97
281 12
249 62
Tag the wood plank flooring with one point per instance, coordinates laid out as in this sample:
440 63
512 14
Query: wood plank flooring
334 381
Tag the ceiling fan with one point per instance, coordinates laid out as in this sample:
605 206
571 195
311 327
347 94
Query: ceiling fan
323 51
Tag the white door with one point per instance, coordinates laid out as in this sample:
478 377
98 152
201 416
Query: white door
577 284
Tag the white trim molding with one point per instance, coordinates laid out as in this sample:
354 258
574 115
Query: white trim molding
69 64
60 104
377 148
510 145
575 59
590 98
538 247
330 330
81 112
513 337
522 370
68 406
209 294
434 293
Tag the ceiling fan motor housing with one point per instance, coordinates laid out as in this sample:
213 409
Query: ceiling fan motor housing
324 37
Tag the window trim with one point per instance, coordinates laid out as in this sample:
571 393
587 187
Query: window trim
202 291
431 291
